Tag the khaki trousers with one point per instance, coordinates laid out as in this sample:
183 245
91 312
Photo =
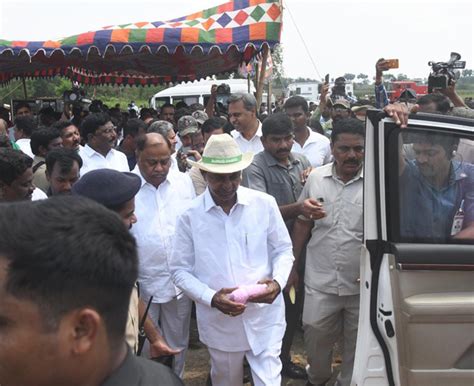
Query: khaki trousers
326 319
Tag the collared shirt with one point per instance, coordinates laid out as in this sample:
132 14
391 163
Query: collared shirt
427 212
38 194
25 146
92 160
267 175
137 371
39 176
214 250
317 149
254 145
157 210
333 252
381 98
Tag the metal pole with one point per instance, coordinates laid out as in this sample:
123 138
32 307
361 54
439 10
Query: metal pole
262 76
24 88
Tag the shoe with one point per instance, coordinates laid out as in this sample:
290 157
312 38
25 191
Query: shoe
293 371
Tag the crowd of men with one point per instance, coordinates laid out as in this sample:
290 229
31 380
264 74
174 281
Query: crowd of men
211 204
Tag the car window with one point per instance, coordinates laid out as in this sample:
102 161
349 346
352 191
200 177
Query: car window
434 182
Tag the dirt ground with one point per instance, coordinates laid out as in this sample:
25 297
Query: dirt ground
197 361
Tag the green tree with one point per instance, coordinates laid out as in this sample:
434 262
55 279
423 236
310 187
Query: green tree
349 76
402 77
466 73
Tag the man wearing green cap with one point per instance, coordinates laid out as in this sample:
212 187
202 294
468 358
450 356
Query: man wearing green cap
234 237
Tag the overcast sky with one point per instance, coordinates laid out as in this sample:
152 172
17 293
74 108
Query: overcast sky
342 36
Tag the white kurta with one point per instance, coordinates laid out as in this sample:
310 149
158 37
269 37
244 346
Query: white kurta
93 160
213 250
157 210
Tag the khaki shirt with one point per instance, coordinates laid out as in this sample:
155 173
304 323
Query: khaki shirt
333 252
131 331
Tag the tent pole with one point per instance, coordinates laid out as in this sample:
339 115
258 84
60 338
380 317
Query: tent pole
269 97
261 76
24 88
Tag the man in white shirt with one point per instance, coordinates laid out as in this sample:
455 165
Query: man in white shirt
24 127
243 116
313 145
233 236
163 196
100 135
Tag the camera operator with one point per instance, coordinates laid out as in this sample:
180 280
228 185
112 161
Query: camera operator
218 102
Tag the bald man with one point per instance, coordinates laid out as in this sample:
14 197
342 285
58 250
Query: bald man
163 196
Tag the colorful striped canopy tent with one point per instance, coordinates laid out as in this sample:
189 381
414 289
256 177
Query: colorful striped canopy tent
214 41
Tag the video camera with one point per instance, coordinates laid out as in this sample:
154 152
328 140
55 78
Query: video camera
442 73
73 96
339 88
222 98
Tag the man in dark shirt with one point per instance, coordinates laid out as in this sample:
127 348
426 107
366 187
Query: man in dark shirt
65 325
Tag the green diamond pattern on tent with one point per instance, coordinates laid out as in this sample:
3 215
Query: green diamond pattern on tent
209 12
191 23
124 25
257 13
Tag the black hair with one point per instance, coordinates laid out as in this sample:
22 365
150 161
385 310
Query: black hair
142 141
5 141
20 105
166 105
77 254
47 116
277 124
27 124
133 126
443 106
64 157
146 113
215 123
316 126
296 101
61 125
347 126
179 113
182 105
42 137
448 142
92 122
13 163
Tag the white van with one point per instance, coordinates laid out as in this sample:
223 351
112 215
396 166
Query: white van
198 91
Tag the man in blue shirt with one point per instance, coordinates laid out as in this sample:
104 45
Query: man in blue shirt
432 188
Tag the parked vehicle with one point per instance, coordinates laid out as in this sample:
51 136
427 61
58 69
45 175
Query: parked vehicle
197 92
416 323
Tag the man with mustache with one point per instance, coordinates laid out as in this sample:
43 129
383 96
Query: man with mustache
162 197
229 237
70 135
63 167
98 153
331 304
281 173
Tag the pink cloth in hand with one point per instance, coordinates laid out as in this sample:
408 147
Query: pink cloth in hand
242 294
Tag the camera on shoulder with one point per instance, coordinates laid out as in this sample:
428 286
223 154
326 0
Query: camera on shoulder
442 73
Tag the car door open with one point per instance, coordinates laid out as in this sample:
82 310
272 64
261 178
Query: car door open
416 323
